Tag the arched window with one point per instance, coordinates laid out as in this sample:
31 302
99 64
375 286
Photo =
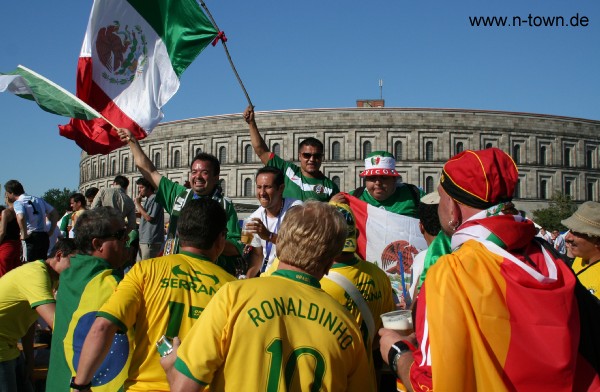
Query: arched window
429 184
517 192
126 165
567 160
198 150
176 159
247 187
248 153
335 151
398 150
589 159
113 167
222 184
157 160
94 170
567 187
517 153
366 149
590 191
222 154
276 149
336 181
429 151
488 145
543 189
458 148
103 169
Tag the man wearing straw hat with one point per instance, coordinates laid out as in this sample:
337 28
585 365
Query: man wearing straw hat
499 312
583 239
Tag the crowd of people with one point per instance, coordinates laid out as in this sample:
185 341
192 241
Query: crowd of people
134 308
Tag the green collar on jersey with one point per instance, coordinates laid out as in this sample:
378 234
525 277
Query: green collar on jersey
195 255
298 276
353 261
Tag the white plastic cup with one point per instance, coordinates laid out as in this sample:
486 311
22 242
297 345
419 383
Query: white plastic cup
398 320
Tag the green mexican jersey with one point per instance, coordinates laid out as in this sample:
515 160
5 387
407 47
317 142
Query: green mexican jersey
401 202
298 186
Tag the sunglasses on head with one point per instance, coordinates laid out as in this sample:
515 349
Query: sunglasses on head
119 235
307 155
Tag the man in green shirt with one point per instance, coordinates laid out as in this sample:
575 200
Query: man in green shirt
204 181
304 182
382 188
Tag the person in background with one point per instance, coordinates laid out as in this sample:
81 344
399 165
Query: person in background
31 215
559 242
282 330
438 243
10 243
491 313
90 194
304 182
117 197
264 223
583 241
152 220
26 293
78 204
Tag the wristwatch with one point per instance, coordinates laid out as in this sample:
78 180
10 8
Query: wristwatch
398 349
78 387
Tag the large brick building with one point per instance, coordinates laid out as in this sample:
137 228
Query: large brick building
553 153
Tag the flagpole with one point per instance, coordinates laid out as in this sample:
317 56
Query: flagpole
227 53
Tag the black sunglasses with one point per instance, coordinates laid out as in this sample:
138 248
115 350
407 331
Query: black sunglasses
119 235
307 155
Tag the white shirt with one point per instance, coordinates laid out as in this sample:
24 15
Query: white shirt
272 224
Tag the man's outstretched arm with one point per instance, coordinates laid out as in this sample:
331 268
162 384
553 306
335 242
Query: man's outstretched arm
143 163
258 143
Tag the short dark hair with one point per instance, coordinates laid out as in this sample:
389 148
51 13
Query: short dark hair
311 141
91 192
121 181
428 215
206 157
66 245
272 170
145 183
201 222
78 197
14 187
96 223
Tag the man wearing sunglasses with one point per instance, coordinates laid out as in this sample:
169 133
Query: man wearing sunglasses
583 240
160 299
100 236
304 182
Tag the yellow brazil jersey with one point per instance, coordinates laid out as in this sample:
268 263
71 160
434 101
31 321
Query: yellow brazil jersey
21 290
278 333
161 296
588 275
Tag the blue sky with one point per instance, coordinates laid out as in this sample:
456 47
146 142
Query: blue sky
316 54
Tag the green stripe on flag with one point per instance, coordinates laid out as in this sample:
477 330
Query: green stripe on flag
52 98
181 24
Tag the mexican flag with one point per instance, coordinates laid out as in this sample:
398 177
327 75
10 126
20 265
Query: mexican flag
133 55
52 98
388 240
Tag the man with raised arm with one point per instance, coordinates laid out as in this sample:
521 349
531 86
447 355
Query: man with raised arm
304 182
204 180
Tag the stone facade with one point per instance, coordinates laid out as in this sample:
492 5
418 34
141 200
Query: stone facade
552 152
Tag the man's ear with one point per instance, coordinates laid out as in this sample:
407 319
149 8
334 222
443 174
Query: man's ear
97 243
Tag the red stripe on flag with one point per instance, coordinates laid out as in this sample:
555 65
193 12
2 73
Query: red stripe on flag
97 136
